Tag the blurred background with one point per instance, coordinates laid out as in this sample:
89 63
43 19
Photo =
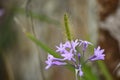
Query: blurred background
97 21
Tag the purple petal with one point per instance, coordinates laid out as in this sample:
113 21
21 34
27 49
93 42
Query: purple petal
59 63
67 44
80 73
74 44
48 66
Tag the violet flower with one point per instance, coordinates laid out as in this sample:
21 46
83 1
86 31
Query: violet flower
98 54
67 44
53 61
84 45
69 53
60 48
74 44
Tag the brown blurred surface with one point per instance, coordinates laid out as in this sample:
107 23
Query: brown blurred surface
106 40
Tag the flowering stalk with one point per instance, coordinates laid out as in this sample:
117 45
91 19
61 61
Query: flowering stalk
69 55
67 27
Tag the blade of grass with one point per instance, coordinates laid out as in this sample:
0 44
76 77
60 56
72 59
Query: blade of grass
104 70
43 46
88 74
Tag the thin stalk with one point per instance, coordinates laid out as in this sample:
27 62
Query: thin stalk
76 74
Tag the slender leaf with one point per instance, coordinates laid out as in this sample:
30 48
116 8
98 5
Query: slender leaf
88 74
43 46
104 70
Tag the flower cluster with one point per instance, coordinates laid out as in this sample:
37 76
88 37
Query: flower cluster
70 55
